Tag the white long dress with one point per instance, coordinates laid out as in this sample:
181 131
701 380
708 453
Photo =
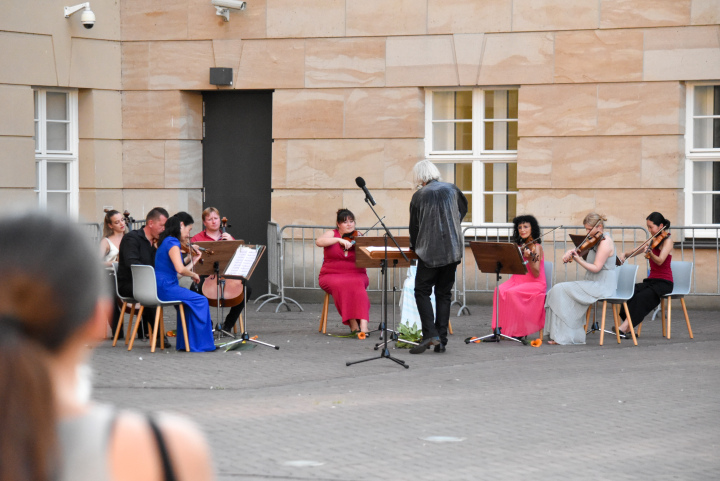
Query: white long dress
567 302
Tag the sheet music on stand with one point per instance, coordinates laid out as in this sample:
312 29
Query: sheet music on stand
242 262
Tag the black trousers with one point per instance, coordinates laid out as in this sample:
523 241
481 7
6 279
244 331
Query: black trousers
442 279
646 298
234 314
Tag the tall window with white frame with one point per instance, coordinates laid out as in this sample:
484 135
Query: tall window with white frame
471 135
56 150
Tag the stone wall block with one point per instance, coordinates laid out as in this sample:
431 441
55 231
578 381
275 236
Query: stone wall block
611 162
400 156
18 152
663 162
386 17
309 18
16 49
685 53
557 206
705 12
461 16
395 206
308 114
168 65
325 164
174 200
156 20
468 51
306 207
557 110
162 115
518 58
183 164
421 60
599 56
227 54
135 67
279 164
143 164
630 207
349 62
206 24
554 14
96 64
100 164
641 108
386 113
644 13
272 64
99 114
18 107
93 201
535 163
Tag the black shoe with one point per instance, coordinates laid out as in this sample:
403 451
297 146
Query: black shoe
439 348
426 344
623 335
168 344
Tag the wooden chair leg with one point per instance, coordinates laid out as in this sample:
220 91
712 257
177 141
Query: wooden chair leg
616 319
602 324
540 334
135 328
242 325
121 320
669 316
155 331
687 319
184 326
162 328
130 322
632 329
324 314
450 327
662 318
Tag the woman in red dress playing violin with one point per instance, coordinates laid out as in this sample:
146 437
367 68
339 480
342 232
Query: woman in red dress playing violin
660 281
340 278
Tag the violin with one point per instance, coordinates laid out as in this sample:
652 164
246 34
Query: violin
526 245
231 290
588 244
350 236
658 239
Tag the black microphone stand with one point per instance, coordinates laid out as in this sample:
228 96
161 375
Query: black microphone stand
384 272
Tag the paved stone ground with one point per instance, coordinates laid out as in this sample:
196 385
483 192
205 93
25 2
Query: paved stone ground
480 411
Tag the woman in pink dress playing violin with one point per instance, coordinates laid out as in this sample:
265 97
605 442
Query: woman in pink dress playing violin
340 278
522 297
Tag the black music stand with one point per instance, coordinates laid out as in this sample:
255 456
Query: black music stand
500 258
232 273
386 256
218 254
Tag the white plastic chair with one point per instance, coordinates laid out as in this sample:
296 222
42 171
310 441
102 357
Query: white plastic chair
682 279
145 291
623 292
125 300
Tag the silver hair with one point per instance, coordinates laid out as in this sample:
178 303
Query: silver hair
425 171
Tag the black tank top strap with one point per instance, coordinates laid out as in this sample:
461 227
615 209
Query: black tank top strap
168 472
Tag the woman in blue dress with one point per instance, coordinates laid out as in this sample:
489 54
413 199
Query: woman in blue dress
168 264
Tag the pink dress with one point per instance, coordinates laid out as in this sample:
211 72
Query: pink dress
522 304
346 283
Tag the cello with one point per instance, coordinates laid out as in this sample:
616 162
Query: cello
231 292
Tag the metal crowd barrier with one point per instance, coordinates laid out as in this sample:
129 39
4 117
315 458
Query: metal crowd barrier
274 247
300 260
93 229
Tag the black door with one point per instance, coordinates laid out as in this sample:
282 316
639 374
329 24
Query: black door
237 163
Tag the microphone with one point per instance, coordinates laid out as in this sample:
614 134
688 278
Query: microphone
361 183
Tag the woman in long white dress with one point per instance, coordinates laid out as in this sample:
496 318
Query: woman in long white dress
567 302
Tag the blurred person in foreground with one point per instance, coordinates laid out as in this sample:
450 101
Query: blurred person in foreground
52 307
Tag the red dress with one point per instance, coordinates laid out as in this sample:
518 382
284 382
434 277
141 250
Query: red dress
522 304
346 283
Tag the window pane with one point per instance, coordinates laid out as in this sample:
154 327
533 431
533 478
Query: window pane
706 133
463 176
468 216
447 172
512 177
501 104
707 101
57 136
451 136
57 202
57 176
35 137
706 176
35 99
706 209
463 105
37 175
500 208
512 104
56 106
452 105
500 135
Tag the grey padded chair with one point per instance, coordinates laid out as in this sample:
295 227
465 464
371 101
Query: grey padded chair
682 279
125 301
145 291
623 292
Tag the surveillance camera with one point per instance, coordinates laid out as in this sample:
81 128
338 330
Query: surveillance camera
232 4
88 19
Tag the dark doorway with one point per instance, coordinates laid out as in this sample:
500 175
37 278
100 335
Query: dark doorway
237 166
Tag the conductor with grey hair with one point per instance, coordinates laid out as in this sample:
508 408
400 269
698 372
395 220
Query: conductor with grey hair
436 211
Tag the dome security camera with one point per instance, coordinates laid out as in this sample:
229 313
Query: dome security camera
87 18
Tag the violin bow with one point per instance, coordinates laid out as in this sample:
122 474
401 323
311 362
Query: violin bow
637 250
539 237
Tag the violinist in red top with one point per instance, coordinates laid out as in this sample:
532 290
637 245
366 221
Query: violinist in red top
340 278
660 281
